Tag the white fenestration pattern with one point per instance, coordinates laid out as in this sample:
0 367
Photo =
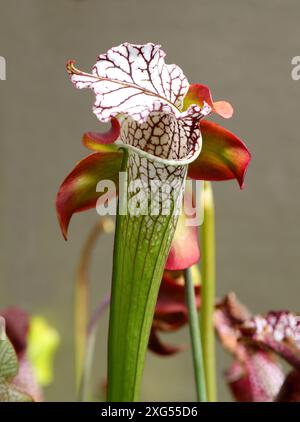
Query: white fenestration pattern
133 80
133 83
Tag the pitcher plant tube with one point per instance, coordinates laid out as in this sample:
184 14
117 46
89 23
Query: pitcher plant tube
157 137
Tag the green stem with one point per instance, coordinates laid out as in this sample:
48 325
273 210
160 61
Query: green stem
81 305
90 349
81 302
195 336
208 292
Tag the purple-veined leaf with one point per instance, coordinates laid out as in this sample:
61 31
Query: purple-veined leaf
133 80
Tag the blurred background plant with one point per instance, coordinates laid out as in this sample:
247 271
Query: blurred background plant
34 343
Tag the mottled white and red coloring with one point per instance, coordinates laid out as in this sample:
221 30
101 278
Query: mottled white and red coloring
281 325
134 84
278 331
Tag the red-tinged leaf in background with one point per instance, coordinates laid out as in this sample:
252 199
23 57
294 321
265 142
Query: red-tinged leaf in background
171 311
26 380
185 250
17 326
223 156
156 345
257 379
256 342
290 390
78 191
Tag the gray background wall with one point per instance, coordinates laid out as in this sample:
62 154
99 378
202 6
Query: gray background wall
243 51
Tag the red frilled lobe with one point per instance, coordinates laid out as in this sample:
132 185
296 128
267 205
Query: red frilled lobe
95 140
78 192
223 156
198 94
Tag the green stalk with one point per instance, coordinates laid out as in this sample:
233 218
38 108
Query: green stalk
81 305
85 384
195 337
208 292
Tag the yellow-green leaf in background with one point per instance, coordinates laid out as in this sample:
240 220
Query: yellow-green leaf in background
43 341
